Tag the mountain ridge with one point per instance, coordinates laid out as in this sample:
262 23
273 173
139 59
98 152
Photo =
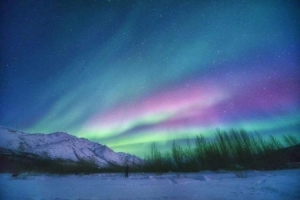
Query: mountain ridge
61 145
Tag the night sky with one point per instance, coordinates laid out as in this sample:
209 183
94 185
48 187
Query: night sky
128 73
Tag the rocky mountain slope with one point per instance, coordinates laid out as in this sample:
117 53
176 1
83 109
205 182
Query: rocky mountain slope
64 146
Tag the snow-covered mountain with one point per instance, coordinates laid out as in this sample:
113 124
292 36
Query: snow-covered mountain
64 146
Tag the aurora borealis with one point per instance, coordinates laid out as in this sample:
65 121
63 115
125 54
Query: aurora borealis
128 73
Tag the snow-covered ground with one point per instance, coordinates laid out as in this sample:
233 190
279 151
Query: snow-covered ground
283 184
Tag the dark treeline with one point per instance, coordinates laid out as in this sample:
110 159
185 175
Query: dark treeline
231 150
18 163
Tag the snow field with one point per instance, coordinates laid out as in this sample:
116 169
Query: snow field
284 184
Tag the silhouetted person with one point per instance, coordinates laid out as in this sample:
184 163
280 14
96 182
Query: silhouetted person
126 171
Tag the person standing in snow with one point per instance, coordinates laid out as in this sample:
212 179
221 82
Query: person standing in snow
126 171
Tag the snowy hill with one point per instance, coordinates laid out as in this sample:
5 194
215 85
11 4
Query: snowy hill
65 147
